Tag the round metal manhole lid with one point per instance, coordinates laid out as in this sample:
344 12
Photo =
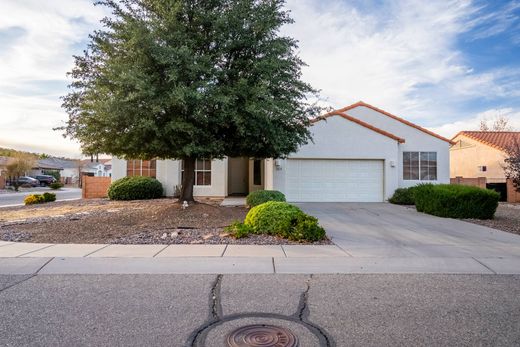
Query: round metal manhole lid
261 335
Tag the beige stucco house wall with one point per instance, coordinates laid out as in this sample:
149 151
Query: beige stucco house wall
467 155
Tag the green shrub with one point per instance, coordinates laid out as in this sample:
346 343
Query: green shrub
49 197
260 196
308 229
55 185
285 220
403 196
456 201
135 188
34 199
273 217
238 230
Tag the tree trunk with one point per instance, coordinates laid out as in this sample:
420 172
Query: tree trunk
188 180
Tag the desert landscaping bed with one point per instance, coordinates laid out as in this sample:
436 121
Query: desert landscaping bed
507 218
160 221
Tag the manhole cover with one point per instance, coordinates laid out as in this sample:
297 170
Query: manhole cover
261 335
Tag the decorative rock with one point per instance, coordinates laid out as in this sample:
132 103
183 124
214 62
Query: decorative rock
165 235
224 234
174 234
207 236
205 215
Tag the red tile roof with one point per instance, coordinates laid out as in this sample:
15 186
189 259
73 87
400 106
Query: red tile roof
497 139
404 121
360 122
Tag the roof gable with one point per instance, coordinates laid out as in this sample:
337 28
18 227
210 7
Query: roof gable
399 119
500 140
359 122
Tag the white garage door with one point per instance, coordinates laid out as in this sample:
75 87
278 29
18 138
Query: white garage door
334 180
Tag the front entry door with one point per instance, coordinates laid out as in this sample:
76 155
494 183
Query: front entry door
237 175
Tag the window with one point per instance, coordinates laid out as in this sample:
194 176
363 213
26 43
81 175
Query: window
141 168
420 166
202 172
482 168
257 172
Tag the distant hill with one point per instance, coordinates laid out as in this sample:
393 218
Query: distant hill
9 152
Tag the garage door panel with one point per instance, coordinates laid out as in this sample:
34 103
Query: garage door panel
317 180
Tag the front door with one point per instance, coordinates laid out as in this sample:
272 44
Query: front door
237 176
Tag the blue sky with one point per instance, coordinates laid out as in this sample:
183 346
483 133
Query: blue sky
443 64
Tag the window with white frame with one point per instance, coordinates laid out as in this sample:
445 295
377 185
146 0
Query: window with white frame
202 172
420 166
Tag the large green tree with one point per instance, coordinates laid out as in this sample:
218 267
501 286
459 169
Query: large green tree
187 79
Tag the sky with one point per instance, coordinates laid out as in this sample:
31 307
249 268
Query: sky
444 65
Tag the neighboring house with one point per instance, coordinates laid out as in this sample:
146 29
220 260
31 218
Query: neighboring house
67 168
70 173
360 153
97 167
46 166
481 154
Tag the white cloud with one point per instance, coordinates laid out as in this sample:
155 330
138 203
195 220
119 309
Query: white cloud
450 129
38 41
401 56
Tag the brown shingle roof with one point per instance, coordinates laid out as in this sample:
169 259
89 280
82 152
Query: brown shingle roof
497 139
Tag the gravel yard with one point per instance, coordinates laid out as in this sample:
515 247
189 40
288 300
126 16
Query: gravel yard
160 221
507 218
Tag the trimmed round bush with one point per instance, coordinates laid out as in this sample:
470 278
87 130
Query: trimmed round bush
260 196
273 217
285 220
403 196
456 201
135 188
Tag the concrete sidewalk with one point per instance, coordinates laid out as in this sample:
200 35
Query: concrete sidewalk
257 265
24 249
30 258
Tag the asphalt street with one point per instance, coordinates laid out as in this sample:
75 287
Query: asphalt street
8 199
201 310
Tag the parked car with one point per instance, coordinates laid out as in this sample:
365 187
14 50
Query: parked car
45 180
28 181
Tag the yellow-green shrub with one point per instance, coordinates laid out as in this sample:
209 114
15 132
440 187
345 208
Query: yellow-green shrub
34 199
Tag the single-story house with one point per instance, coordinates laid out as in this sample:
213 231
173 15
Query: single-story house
97 167
359 153
46 166
481 154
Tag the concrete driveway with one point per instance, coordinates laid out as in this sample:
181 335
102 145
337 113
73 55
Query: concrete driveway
386 230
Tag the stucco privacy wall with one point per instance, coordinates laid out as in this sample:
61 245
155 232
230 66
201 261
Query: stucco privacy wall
338 138
169 174
465 160
416 141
